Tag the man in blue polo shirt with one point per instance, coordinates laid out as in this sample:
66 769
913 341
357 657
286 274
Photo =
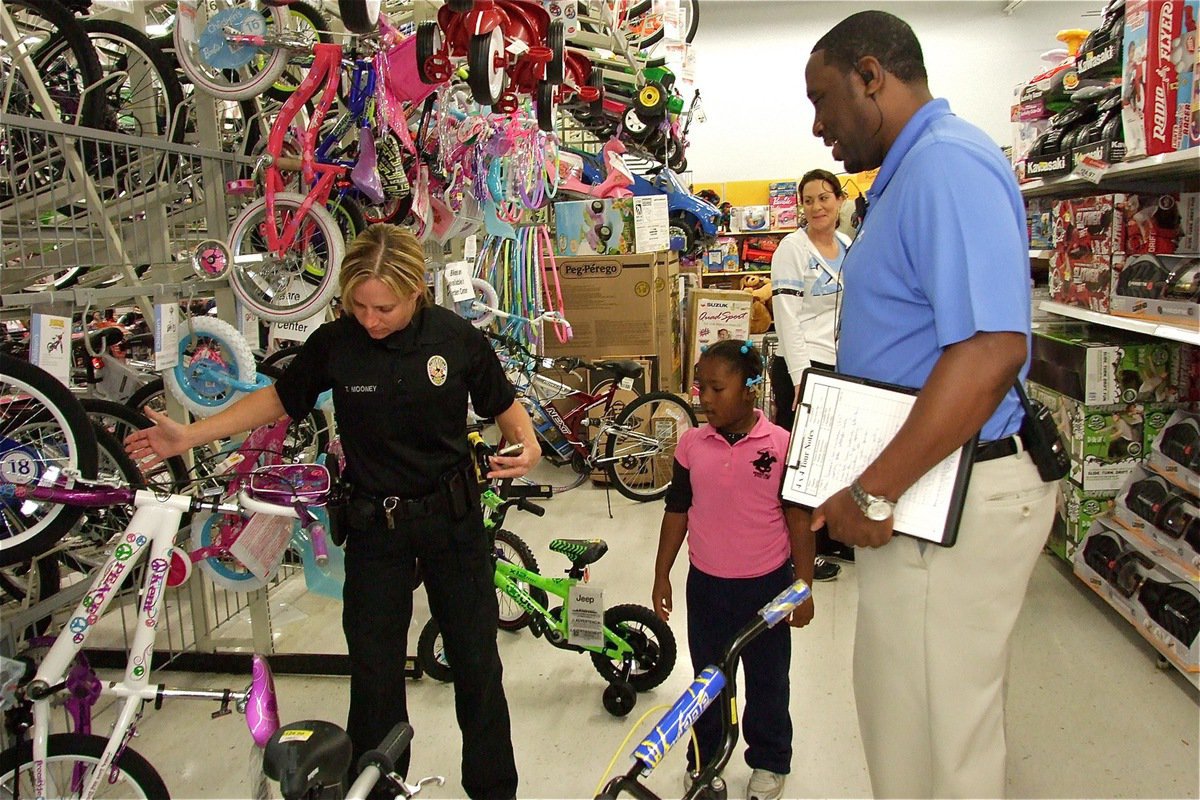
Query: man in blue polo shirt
936 297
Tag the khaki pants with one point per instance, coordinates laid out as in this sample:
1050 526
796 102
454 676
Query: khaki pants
932 643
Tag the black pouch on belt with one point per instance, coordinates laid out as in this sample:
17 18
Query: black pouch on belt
1041 438
338 504
460 490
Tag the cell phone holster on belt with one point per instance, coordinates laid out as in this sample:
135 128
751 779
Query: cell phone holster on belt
1041 438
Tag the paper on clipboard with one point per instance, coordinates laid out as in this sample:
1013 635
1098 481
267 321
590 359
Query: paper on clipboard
842 425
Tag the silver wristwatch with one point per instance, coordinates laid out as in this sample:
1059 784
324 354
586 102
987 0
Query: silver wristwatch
873 507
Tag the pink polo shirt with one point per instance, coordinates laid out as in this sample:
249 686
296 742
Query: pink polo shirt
736 527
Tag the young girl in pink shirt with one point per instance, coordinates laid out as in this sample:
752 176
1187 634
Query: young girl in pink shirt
745 545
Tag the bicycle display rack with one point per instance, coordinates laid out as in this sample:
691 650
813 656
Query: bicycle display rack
128 203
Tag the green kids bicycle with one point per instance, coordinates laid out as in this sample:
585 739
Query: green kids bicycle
632 649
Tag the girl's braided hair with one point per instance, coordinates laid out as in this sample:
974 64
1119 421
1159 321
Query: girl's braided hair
741 356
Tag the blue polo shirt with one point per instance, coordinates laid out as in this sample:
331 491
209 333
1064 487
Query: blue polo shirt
943 255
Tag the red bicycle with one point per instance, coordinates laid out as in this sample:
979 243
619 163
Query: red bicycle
634 443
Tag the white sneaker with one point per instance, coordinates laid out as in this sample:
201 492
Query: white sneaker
765 785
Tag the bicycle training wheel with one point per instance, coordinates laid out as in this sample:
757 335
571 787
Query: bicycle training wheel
294 284
640 453
209 349
221 68
72 755
43 432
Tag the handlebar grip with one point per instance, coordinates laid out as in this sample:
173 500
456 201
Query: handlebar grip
391 748
320 543
785 602
683 714
532 508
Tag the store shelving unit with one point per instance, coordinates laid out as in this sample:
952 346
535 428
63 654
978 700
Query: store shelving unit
1141 174
713 276
1161 330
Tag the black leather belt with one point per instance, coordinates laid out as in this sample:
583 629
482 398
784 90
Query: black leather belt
997 448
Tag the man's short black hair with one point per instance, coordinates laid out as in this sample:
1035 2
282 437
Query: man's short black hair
879 34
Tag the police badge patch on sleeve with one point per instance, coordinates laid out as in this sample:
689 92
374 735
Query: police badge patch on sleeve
436 369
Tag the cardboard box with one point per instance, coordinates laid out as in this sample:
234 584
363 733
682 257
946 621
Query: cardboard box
1158 67
668 327
1161 288
1039 213
618 227
1106 443
1163 223
1180 463
612 305
1103 366
1076 512
714 314
1086 226
1083 281
1164 515
751 218
722 255
784 204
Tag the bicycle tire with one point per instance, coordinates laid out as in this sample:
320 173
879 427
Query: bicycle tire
653 643
360 16
639 470
99 525
152 393
431 653
114 42
258 277
119 420
65 751
29 529
62 84
513 549
191 19
224 571
205 398
296 68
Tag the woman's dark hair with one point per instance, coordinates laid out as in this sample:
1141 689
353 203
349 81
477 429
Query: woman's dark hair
879 34
825 176
741 356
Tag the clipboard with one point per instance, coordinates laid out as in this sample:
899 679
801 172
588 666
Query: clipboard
842 424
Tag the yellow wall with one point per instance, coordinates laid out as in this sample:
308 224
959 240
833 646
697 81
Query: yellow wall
756 193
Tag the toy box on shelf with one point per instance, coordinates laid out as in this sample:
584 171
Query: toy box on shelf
1106 443
1104 366
1163 514
621 226
1076 511
1175 450
1160 288
722 255
1158 68
785 207
748 219
714 314
1162 605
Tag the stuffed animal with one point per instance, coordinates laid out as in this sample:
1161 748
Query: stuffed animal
759 287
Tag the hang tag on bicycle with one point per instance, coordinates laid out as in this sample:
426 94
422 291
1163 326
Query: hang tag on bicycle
166 335
470 248
585 615
261 544
457 275
50 344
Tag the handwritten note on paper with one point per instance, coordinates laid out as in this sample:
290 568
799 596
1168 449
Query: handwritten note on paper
842 425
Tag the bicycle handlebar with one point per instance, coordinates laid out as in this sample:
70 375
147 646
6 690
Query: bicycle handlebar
381 761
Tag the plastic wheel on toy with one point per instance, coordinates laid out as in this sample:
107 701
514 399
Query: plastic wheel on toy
209 350
432 66
44 431
272 285
556 39
595 109
635 126
485 64
512 548
684 229
619 698
546 106
650 102
219 67
360 16
460 6
651 640
431 653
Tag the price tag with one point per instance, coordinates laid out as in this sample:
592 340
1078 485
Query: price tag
627 384
1091 169
651 224
261 544
457 275
585 615
470 248
517 47
50 345
166 335
248 323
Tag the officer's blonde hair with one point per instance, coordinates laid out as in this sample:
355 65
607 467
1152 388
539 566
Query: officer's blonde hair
390 254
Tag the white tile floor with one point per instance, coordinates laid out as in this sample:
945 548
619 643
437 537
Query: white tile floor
1090 715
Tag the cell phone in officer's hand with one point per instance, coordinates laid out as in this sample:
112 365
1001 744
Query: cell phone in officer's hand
511 450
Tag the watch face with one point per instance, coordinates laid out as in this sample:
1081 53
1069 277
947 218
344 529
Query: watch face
878 511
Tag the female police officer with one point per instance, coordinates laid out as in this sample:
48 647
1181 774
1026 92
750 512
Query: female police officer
401 370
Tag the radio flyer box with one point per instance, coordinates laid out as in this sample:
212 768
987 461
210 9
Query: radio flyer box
1158 67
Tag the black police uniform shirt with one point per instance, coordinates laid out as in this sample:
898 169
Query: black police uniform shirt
400 401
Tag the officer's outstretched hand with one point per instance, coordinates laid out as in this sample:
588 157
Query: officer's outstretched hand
515 466
164 439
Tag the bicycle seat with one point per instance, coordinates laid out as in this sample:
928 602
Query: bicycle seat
622 369
581 552
307 755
